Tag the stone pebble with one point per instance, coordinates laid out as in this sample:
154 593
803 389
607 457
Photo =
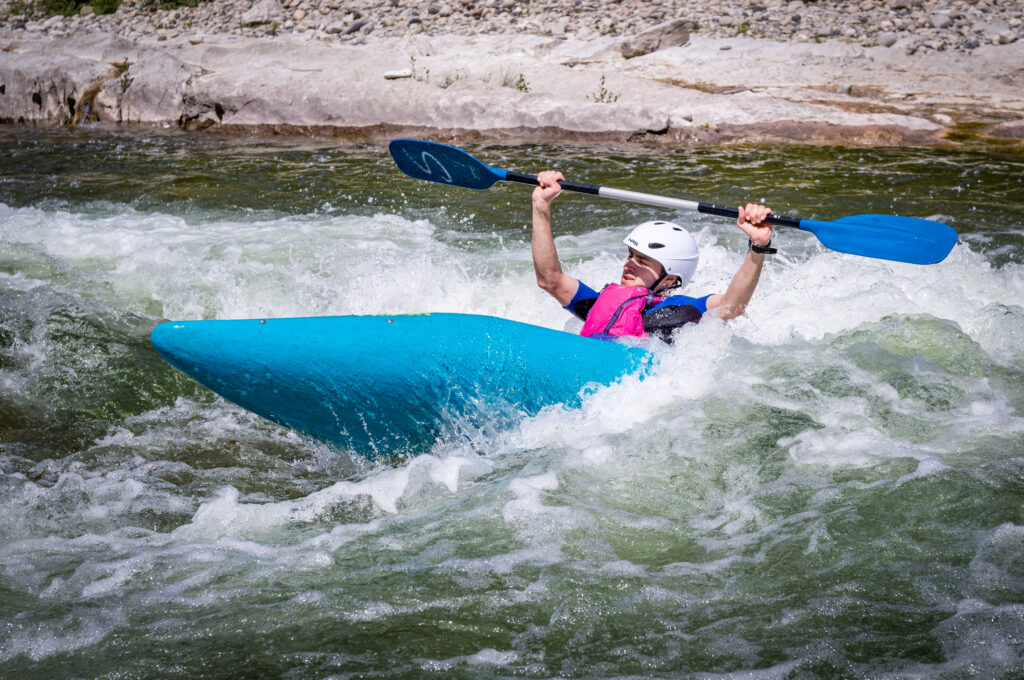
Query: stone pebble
908 24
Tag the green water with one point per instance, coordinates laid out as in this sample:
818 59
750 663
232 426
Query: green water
829 487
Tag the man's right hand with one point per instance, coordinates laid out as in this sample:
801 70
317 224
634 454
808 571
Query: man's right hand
550 276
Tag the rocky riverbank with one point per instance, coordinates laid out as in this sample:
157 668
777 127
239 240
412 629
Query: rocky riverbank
901 72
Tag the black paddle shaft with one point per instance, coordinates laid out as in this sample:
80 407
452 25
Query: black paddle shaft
706 208
721 211
578 187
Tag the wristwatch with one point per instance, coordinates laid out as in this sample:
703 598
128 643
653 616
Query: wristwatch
764 250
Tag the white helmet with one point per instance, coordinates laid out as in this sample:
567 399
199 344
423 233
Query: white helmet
669 244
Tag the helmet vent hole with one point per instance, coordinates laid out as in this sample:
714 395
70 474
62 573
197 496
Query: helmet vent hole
654 246
677 228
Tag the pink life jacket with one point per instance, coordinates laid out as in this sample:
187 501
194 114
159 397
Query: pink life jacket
619 311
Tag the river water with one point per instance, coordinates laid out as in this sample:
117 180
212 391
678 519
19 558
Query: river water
831 486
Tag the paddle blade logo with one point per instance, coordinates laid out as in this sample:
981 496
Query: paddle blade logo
429 160
441 163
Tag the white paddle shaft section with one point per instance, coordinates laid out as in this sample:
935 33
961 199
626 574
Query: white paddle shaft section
648 199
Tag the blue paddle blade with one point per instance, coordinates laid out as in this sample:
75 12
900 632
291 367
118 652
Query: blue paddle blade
442 163
888 237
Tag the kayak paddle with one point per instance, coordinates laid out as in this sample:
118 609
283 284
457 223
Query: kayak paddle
888 237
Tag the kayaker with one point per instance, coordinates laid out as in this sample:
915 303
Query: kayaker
662 256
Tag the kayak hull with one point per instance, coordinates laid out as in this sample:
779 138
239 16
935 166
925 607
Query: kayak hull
386 385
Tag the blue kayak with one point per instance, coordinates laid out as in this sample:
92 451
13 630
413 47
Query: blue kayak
388 385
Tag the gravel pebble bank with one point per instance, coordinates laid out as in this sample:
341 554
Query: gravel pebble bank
911 25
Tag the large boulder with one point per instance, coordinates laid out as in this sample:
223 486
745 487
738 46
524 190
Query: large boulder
669 34
263 12
150 90
998 32
45 87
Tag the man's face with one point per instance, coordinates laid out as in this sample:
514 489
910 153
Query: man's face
640 270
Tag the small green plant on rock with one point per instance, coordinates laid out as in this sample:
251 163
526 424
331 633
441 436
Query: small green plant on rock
122 71
449 80
425 78
603 95
520 84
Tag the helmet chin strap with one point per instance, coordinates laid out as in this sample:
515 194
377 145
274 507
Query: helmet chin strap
664 274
